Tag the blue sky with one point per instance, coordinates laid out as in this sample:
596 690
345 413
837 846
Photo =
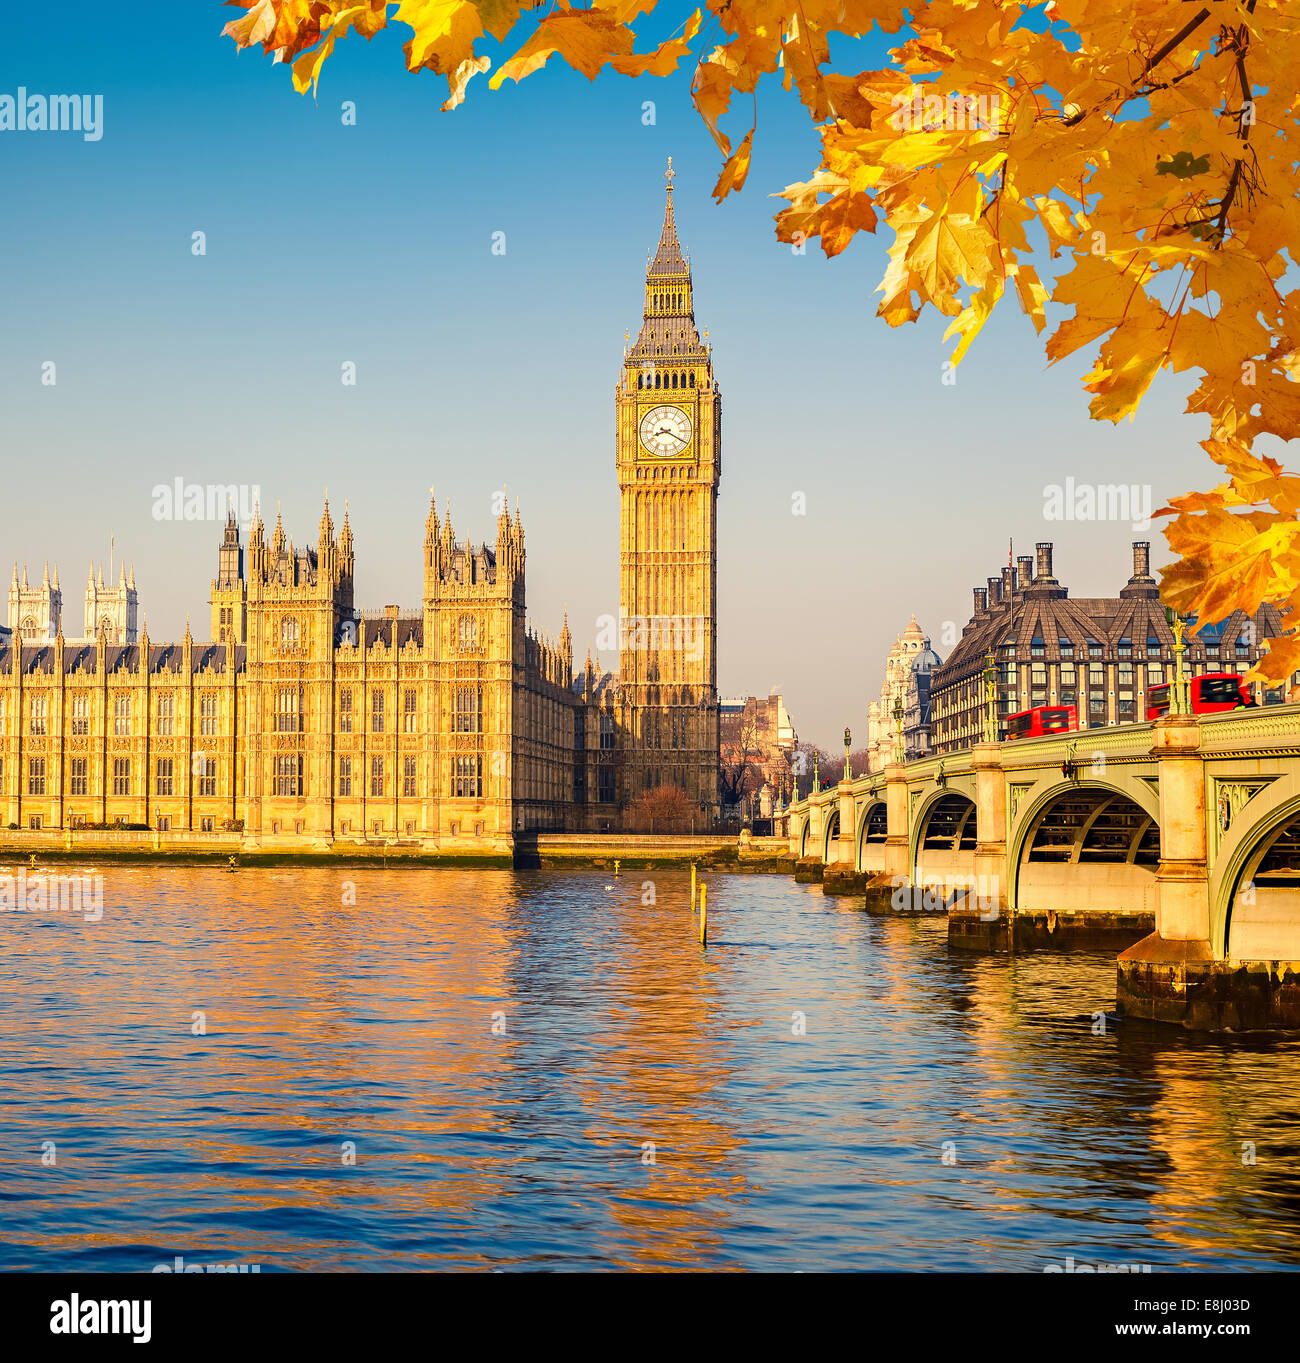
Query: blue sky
372 244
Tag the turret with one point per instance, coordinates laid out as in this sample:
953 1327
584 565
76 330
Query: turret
566 653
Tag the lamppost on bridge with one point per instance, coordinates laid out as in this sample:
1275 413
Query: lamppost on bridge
848 741
990 698
899 753
1180 701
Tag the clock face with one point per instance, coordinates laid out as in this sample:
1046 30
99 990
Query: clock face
665 431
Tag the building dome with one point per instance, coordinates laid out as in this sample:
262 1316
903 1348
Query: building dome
926 660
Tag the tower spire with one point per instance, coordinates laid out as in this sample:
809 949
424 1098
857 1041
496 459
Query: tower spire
669 259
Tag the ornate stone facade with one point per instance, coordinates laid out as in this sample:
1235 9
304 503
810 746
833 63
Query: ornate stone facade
111 610
669 454
305 719
908 671
36 613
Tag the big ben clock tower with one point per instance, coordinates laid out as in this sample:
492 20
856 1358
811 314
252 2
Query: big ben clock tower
669 452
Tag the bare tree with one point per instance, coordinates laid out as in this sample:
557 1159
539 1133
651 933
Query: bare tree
661 809
735 761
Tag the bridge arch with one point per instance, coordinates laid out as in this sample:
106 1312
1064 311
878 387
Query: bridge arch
873 829
830 836
1254 902
943 836
1086 844
805 827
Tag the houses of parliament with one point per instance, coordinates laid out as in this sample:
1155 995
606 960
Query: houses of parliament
301 719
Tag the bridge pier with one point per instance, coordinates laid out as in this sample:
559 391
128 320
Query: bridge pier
842 877
985 922
1153 975
1180 973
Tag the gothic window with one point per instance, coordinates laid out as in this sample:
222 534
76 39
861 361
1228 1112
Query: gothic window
377 713
122 716
166 717
36 776
469 710
377 776
409 715
77 784
467 627
207 777
345 776
467 784
288 717
288 632
29 630
80 715
656 380
345 710
121 776
106 627
674 379
38 713
692 378
164 786
288 777
207 713
408 777
606 730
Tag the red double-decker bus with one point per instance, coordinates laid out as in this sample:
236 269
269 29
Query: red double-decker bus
1041 720
1211 693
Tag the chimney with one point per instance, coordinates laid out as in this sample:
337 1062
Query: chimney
1141 561
1044 572
981 601
994 591
1025 568
1008 583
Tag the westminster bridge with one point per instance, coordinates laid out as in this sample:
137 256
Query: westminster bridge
1178 840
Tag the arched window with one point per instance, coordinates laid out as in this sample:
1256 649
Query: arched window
692 378
29 629
288 632
674 379
467 631
656 380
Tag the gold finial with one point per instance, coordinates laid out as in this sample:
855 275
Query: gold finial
669 173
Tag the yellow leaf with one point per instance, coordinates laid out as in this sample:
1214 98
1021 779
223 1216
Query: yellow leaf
1033 296
736 169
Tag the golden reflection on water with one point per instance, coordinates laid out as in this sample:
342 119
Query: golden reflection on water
546 1069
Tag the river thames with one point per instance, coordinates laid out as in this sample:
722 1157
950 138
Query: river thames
493 1069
